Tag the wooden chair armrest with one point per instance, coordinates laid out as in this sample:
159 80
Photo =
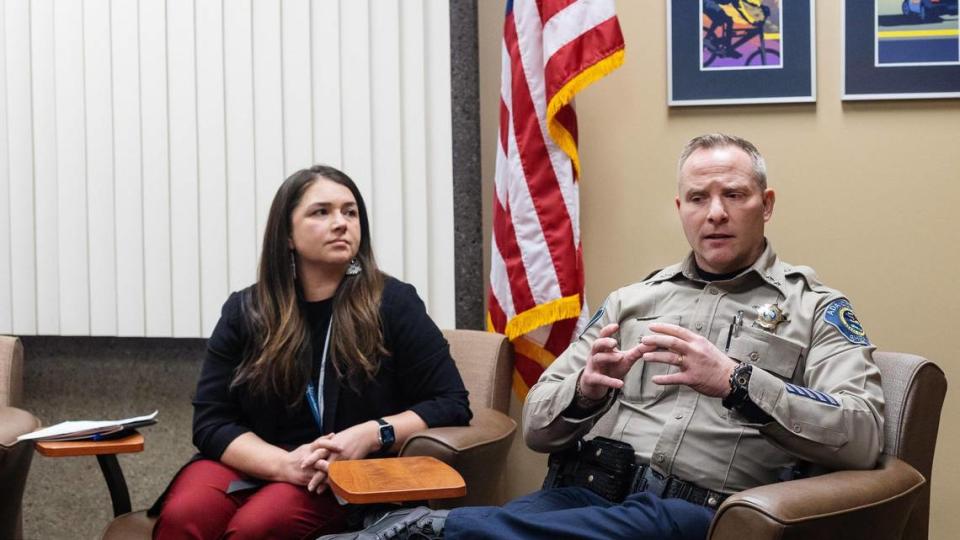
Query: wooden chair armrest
842 504
400 479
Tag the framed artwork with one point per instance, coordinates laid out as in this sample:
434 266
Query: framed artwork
901 49
740 51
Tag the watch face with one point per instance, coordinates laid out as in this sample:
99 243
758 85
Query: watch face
387 436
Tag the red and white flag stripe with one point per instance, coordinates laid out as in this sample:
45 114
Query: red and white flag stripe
552 49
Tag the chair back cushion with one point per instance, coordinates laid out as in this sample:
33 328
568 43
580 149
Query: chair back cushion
11 371
485 361
913 391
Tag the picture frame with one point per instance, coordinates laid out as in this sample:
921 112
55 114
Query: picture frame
900 49
753 51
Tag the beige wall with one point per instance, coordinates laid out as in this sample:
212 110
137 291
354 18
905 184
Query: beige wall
866 194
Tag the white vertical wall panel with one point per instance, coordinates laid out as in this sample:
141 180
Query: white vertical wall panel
184 181
141 144
45 165
325 69
98 96
386 134
439 159
71 149
239 130
6 290
212 174
355 96
155 172
19 107
416 230
297 113
268 106
128 187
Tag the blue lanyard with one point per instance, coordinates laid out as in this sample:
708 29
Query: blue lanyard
315 391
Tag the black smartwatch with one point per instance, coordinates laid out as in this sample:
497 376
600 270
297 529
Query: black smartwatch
386 436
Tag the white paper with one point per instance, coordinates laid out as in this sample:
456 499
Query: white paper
75 429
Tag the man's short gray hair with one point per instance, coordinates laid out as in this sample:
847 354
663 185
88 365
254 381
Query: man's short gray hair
719 140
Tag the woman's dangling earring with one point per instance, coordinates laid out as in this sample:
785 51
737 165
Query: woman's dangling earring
354 267
293 265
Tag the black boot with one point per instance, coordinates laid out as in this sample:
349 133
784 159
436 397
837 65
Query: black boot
420 523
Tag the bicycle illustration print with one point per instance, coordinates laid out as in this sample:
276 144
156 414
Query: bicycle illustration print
740 34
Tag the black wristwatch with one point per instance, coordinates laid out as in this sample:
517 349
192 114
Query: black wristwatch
739 387
738 399
386 436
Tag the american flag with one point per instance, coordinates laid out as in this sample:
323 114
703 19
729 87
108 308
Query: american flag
552 49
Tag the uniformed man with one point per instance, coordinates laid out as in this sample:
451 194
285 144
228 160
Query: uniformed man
724 372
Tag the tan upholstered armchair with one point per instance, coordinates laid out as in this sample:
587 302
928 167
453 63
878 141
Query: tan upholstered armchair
891 501
477 451
14 458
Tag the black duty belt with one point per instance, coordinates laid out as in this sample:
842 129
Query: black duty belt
608 468
670 487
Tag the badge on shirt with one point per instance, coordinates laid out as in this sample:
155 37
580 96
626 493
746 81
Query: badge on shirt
840 314
769 316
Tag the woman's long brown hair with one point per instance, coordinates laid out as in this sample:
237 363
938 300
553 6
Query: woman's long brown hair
278 360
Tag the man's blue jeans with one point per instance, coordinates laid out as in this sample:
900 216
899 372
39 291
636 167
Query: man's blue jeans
574 512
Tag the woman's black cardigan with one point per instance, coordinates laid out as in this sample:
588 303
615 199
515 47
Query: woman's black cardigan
418 374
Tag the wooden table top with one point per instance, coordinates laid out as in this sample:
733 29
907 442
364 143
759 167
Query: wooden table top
398 479
123 445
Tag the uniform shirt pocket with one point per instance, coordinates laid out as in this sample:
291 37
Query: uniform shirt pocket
770 352
638 386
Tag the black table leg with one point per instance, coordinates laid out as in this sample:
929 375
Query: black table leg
115 483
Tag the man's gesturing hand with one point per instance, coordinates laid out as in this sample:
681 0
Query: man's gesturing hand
607 365
702 366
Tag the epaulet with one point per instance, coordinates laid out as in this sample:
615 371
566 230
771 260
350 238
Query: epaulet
809 276
651 274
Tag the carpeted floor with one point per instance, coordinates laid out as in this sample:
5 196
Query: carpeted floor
68 378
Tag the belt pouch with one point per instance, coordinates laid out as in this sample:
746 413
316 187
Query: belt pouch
604 466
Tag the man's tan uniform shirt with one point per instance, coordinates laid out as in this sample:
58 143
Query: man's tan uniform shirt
813 373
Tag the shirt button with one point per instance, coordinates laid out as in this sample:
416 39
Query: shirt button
679 417
796 428
699 326
754 355
712 290
658 458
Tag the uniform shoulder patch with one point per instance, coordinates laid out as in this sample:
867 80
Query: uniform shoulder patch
840 315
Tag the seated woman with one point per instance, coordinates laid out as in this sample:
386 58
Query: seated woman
324 358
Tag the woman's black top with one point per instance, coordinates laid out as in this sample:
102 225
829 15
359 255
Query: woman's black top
418 374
